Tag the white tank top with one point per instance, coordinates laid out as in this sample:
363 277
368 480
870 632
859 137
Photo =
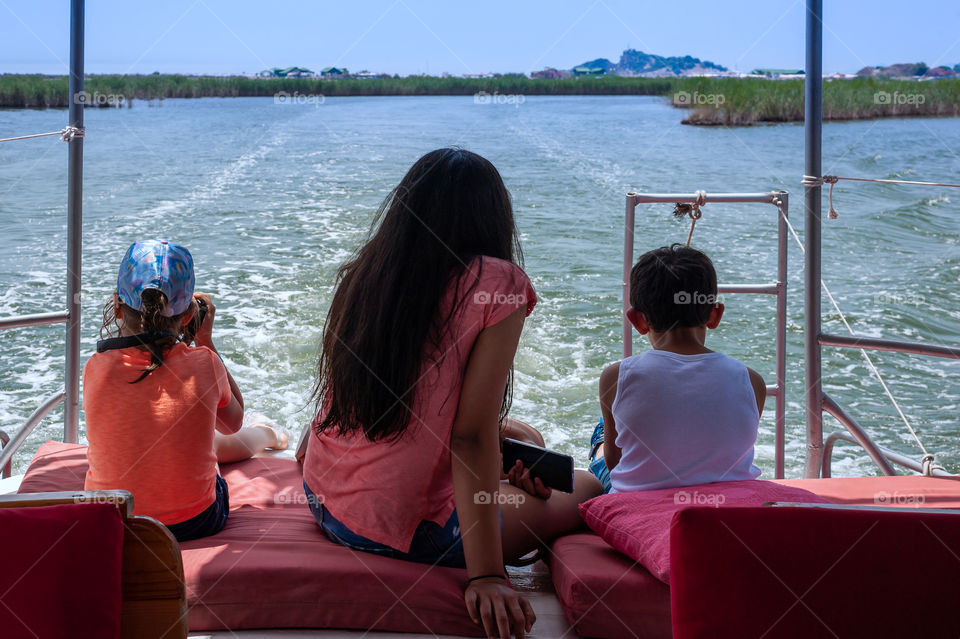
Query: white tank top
683 420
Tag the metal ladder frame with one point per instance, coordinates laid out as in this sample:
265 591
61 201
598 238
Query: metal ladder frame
780 199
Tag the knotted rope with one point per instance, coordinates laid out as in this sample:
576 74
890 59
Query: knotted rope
812 181
681 209
928 465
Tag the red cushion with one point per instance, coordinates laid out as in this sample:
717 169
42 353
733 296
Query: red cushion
814 572
272 567
638 523
605 594
61 571
906 491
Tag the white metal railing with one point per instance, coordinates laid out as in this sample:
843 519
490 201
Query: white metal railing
71 317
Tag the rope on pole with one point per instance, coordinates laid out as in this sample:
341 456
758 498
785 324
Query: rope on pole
813 181
67 134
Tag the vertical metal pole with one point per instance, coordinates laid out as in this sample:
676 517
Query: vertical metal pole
813 113
627 267
71 413
780 416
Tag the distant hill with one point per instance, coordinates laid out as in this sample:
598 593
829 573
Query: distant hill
600 63
909 70
638 63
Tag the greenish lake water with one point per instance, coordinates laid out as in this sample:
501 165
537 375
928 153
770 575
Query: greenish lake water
272 198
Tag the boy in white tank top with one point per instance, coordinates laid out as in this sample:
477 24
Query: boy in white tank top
679 414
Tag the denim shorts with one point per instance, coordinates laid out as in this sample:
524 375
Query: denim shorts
599 466
432 543
210 521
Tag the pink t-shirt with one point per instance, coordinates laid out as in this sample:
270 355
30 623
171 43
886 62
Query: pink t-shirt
383 490
155 438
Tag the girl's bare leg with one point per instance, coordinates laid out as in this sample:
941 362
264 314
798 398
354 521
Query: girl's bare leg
530 522
515 429
247 442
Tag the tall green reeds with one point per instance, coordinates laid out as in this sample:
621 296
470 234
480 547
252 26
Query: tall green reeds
709 101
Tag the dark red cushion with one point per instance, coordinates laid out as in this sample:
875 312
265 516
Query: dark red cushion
811 572
585 568
61 571
638 523
606 594
272 567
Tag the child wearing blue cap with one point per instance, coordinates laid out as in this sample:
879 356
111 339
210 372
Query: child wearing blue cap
161 414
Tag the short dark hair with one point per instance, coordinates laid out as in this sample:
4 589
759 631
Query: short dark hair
673 286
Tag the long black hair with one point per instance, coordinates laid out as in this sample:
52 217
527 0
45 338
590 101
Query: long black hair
450 207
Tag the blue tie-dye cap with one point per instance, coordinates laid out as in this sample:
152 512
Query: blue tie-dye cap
161 265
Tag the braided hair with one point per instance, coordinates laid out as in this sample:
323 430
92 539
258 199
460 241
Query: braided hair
148 319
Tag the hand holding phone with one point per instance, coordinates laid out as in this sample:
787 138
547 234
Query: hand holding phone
552 469
521 478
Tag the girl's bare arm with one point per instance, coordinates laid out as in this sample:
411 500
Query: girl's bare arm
475 454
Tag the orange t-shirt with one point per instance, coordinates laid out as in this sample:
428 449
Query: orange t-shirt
155 438
383 490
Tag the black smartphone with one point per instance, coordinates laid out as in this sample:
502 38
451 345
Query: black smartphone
554 469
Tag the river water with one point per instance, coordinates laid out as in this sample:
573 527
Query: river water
271 198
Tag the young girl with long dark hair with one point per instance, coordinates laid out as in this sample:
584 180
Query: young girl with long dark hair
414 385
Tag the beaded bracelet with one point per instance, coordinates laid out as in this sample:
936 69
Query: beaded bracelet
472 579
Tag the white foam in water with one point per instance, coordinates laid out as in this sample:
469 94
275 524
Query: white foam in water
274 208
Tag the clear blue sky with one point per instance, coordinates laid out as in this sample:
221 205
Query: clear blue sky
435 36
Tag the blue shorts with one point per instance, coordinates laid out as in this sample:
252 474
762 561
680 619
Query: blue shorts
432 543
210 521
599 466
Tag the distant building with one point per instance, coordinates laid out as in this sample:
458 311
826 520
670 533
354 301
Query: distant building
289 72
776 73
367 75
550 74
582 70
334 72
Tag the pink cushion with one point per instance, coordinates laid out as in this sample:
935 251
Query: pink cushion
56 466
907 491
272 567
638 523
814 572
61 571
605 594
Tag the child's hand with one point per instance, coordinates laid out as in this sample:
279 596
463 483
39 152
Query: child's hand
520 477
204 336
